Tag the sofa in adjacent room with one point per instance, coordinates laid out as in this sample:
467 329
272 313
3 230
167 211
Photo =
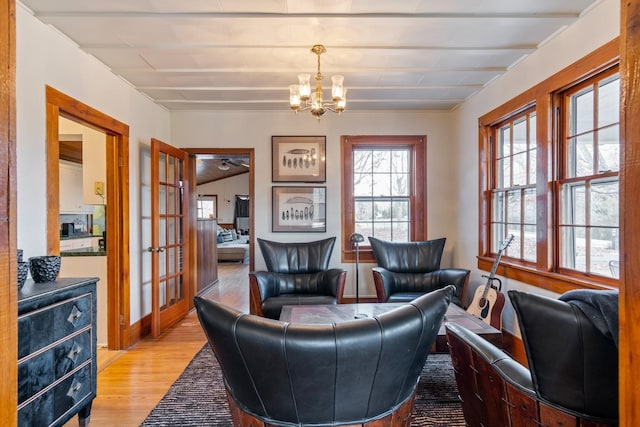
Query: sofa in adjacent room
232 246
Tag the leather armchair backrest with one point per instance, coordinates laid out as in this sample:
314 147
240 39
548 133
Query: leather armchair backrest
299 257
408 257
572 363
294 374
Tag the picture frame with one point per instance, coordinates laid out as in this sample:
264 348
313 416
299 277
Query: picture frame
299 209
298 159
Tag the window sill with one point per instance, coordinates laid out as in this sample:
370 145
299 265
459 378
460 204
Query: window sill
554 282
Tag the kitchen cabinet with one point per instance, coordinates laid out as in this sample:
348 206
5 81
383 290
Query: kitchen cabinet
70 191
78 243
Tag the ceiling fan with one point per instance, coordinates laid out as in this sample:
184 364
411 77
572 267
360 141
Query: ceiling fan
226 164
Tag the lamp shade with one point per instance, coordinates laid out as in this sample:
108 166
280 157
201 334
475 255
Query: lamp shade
356 238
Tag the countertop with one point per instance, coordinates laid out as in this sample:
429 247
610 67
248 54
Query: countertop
78 236
91 251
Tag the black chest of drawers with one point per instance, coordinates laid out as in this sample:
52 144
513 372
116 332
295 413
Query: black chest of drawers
56 351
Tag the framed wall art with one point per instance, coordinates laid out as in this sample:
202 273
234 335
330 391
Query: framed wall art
299 209
298 158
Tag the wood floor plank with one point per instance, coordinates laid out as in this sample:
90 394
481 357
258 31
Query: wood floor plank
131 386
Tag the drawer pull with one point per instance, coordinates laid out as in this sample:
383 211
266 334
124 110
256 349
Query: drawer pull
76 349
75 315
74 389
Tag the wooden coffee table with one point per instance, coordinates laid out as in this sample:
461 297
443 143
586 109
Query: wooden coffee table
336 313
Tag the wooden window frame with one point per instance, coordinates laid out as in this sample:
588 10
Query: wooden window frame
543 273
417 144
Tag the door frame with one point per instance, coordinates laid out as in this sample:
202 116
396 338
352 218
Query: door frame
117 204
193 195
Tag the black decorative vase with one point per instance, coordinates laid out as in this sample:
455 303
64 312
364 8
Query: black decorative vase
23 271
44 268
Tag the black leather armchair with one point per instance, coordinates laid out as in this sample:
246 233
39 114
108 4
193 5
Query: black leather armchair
362 372
572 377
407 270
298 273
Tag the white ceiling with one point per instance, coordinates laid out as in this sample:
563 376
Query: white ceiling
243 54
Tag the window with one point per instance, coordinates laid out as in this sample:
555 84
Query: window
549 166
383 189
514 186
589 192
207 206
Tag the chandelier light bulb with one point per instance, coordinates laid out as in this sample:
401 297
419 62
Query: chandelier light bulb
305 86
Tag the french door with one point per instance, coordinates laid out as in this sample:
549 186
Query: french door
169 236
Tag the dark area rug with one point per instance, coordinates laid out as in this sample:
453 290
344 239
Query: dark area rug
197 398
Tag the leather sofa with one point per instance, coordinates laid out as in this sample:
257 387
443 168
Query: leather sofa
407 270
572 375
362 372
297 273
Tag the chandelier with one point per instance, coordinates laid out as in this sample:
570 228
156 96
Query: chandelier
301 98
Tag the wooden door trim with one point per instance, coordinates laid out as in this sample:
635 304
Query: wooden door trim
117 210
8 214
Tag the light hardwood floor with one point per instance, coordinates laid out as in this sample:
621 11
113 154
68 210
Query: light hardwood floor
133 383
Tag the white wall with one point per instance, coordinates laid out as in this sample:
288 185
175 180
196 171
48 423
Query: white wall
46 57
234 129
226 190
597 27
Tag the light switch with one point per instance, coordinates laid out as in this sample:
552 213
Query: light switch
98 187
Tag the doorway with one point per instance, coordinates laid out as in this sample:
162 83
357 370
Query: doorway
117 203
240 160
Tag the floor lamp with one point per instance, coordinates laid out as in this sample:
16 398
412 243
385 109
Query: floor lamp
356 239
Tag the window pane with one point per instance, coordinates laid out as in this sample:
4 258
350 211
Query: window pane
604 248
400 231
382 161
532 166
513 250
381 185
504 173
582 112
362 185
529 249
530 206
400 161
363 210
581 156
399 184
362 161
573 204
513 207
520 169
498 207
497 236
609 149
382 230
382 210
573 248
400 210
520 136
609 101
604 204
504 145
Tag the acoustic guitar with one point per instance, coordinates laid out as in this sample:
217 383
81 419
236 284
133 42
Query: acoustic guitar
488 301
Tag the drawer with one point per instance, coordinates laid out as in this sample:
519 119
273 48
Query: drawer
66 397
36 373
45 326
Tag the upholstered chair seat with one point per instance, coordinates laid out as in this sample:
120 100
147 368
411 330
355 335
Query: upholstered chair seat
407 270
362 372
297 274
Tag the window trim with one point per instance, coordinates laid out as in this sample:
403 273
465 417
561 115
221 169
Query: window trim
418 185
542 96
